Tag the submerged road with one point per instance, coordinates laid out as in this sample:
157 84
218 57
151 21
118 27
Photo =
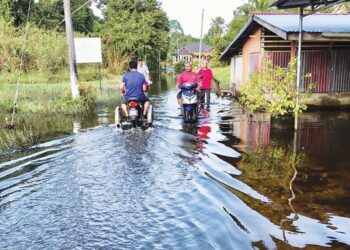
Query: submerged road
172 187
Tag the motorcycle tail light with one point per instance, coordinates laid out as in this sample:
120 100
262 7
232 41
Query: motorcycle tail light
132 104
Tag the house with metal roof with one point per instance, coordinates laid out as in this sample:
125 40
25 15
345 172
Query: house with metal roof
191 51
274 36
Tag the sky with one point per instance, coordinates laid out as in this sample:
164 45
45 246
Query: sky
189 13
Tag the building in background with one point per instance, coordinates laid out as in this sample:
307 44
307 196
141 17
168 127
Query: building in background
191 51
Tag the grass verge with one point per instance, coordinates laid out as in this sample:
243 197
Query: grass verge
55 98
18 139
222 74
42 100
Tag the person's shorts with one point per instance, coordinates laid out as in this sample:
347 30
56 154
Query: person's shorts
143 99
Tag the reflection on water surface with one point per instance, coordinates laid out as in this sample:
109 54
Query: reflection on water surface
234 180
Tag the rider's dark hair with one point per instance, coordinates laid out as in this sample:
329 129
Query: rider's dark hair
133 64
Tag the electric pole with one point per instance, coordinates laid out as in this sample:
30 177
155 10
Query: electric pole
73 69
200 42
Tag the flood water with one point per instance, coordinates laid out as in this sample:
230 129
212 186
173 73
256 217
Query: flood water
234 180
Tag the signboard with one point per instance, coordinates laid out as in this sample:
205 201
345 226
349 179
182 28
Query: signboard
88 50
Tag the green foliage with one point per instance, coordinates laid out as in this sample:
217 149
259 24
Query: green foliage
20 139
177 38
136 28
175 27
5 10
273 90
179 67
56 98
217 28
45 51
177 41
15 11
47 14
255 5
220 41
222 74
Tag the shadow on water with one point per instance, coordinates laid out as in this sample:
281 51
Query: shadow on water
233 180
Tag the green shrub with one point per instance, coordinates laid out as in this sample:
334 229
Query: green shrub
273 90
179 67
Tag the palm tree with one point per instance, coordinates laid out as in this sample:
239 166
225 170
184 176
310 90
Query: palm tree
255 5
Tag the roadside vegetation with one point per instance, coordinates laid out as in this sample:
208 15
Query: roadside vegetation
222 74
44 78
53 98
18 139
273 90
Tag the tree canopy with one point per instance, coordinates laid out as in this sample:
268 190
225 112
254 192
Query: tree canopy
136 27
177 38
48 14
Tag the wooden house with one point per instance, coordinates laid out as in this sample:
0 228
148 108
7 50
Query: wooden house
274 37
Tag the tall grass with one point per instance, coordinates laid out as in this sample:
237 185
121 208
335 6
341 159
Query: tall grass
45 57
45 51
19 139
55 98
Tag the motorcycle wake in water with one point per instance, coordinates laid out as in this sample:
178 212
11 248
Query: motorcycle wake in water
176 186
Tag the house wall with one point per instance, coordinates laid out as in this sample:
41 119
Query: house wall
329 69
251 52
236 73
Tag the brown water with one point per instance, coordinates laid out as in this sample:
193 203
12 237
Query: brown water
234 180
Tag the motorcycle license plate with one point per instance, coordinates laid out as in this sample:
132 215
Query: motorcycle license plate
133 112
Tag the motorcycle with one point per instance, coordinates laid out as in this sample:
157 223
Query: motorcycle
189 98
135 118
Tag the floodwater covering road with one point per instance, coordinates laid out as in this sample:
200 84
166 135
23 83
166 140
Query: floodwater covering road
223 183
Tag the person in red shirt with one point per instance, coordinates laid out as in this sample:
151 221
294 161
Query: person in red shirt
188 76
207 82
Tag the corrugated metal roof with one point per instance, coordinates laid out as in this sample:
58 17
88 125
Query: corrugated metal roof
312 23
282 24
285 4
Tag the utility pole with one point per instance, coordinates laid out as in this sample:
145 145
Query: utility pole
200 42
73 69
298 83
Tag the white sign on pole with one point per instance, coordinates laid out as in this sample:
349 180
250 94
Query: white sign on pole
88 50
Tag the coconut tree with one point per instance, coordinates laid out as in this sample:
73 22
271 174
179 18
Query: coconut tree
255 5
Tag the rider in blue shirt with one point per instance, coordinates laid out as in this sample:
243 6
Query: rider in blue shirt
133 85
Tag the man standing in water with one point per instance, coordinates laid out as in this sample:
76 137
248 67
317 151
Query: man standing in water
143 69
207 82
185 77
133 85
